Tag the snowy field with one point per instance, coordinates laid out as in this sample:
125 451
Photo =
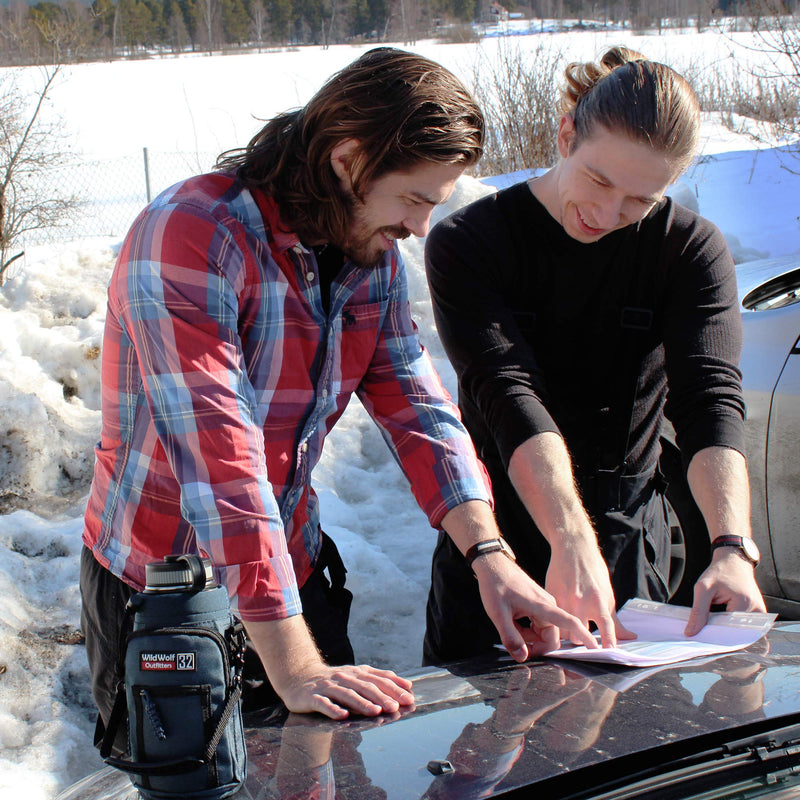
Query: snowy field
51 318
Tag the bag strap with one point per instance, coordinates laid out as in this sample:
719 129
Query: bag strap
329 557
119 709
639 318
237 645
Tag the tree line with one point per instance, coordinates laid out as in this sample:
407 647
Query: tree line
67 31
76 30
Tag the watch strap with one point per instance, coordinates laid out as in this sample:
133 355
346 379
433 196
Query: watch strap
746 547
488 546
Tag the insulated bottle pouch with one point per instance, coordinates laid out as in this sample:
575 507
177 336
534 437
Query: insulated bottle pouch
180 680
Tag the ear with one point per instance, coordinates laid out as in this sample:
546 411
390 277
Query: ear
566 135
342 158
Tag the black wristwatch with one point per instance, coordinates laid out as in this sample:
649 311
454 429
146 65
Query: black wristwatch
489 546
744 545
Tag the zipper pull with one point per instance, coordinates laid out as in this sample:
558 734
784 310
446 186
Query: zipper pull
152 714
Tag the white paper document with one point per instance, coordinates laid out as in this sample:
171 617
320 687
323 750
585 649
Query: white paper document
659 628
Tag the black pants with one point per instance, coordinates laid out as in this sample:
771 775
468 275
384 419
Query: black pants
634 539
326 609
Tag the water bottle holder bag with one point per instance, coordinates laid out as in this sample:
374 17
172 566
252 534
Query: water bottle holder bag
185 731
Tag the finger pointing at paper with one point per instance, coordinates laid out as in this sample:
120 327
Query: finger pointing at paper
661 638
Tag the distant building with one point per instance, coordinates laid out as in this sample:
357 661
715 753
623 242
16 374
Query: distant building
493 13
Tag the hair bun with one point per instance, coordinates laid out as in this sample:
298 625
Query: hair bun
626 93
581 77
620 55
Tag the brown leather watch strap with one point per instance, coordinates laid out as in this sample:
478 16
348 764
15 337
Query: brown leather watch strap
489 546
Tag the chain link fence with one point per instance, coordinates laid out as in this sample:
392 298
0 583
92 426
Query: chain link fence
107 194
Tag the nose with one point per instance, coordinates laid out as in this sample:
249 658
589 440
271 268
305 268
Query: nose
419 223
608 214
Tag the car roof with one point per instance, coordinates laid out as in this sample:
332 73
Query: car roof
488 727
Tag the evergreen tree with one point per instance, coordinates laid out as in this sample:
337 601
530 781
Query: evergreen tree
135 24
176 31
235 22
308 17
463 10
379 15
155 33
281 14
359 17
191 16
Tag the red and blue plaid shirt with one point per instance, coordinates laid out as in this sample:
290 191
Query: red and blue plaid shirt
222 375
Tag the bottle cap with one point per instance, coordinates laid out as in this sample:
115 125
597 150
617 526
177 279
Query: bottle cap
179 574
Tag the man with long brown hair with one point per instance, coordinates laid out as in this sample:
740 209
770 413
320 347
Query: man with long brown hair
246 307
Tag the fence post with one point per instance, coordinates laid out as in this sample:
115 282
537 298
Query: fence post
146 173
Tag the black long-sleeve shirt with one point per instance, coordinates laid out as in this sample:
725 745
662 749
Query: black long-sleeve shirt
590 340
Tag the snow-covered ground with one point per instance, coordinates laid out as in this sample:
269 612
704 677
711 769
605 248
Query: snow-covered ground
51 318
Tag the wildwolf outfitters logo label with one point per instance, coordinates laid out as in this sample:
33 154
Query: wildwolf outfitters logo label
167 662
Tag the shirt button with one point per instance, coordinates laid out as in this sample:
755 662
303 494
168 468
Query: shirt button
310 276
324 392
304 447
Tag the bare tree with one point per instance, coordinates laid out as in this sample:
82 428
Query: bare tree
259 22
28 152
20 42
757 90
66 32
209 15
328 32
777 29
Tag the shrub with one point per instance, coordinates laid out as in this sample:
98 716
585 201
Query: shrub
518 92
28 152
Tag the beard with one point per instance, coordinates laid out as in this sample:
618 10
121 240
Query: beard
363 250
362 243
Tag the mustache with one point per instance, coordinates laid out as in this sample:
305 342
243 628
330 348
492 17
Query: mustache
396 231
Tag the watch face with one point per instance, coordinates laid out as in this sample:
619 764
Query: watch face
750 549
507 550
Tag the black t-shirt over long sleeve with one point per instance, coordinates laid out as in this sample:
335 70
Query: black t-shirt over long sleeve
594 341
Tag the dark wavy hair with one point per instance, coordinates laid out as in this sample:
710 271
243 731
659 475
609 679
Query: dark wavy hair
403 109
627 93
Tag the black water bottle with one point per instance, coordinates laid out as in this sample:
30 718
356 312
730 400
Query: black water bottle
182 685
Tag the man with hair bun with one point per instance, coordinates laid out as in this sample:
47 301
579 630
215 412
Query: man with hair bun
245 309
578 309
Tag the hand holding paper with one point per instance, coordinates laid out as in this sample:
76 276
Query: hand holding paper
661 639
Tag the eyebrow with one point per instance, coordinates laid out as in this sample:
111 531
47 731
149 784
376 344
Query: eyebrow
646 199
424 198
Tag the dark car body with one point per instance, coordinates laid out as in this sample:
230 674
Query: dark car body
727 726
